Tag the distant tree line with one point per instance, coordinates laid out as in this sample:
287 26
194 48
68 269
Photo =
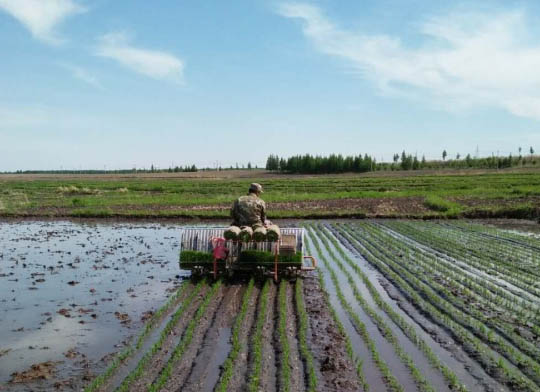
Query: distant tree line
153 169
309 164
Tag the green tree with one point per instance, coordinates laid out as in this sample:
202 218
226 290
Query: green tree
444 154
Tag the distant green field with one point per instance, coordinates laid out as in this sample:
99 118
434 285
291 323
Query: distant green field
491 194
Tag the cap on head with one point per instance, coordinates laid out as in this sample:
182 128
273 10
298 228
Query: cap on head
256 188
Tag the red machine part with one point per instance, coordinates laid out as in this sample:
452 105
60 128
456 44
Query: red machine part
220 251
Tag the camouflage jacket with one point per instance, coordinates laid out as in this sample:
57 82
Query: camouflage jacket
249 210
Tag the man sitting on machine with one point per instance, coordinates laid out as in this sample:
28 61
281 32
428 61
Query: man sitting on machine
250 210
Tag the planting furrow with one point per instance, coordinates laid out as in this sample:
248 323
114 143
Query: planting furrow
494 365
297 381
127 359
152 360
184 343
234 373
283 341
216 343
422 383
262 375
338 368
303 325
390 379
183 368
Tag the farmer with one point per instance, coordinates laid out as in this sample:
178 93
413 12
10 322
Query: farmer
250 210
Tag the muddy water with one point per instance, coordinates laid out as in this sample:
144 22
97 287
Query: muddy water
79 288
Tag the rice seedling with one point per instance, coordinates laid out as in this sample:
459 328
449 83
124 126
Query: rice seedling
185 341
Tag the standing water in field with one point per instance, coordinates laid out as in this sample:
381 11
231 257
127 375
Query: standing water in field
73 293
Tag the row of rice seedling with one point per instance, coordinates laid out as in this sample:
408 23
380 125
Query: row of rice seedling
511 253
386 331
283 340
467 266
307 357
257 343
100 380
139 369
229 363
523 242
390 380
408 329
348 345
185 341
468 301
416 291
457 247
505 343
519 238
521 311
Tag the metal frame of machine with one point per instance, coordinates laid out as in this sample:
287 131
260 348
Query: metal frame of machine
290 242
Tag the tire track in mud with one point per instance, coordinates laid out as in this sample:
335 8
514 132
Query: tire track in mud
216 344
182 369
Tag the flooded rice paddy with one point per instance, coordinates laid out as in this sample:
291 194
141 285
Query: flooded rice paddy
394 306
72 293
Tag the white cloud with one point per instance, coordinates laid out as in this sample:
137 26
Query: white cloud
467 59
42 16
82 74
152 63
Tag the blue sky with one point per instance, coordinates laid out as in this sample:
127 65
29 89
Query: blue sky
117 83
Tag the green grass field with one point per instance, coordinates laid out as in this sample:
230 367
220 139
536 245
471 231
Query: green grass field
419 195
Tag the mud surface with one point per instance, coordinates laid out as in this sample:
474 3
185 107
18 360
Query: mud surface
336 370
73 293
